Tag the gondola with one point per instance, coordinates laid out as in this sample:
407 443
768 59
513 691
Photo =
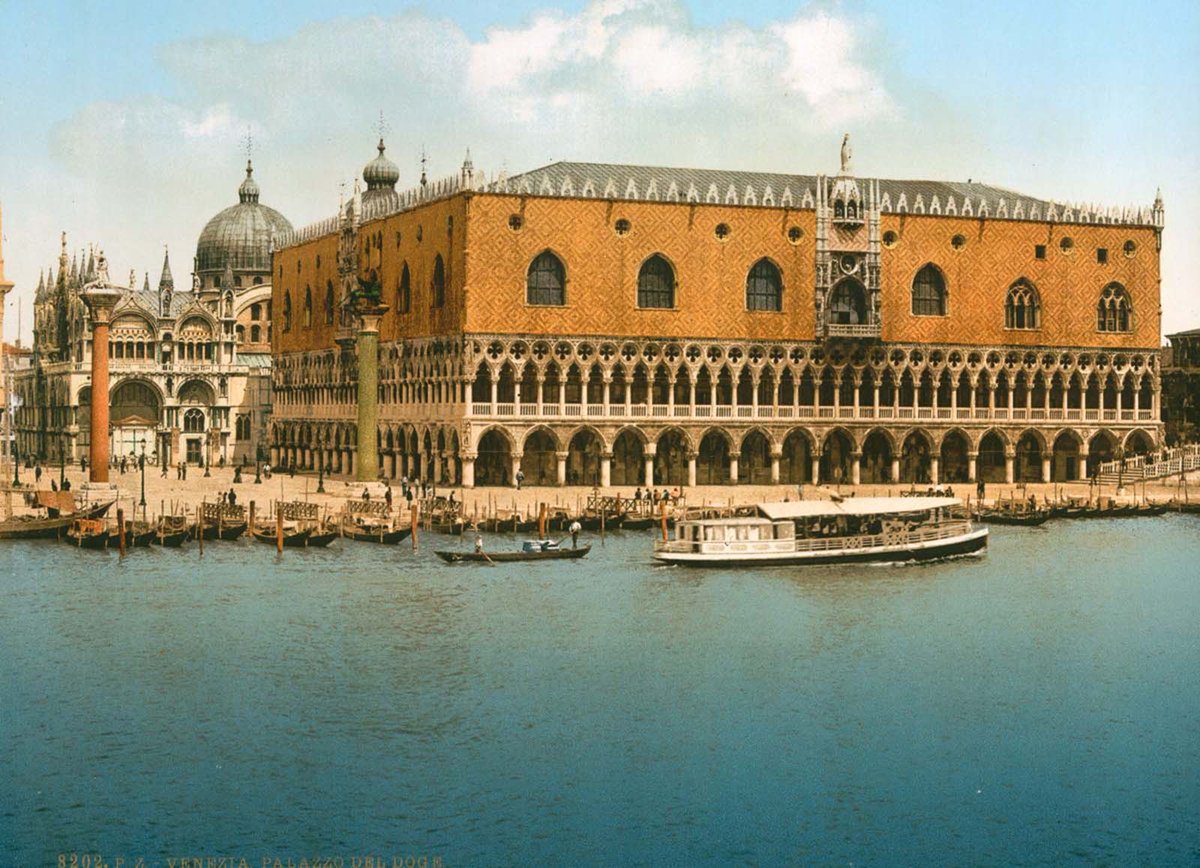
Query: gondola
32 527
320 537
138 534
381 535
1029 518
644 523
170 531
292 537
532 550
88 533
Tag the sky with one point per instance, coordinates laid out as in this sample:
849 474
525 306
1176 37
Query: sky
125 124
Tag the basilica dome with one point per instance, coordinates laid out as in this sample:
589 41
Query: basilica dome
240 237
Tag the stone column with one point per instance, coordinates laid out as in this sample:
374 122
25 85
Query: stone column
856 468
972 458
1008 466
775 458
562 467
1045 467
516 466
367 463
815 468
895 469
649 468
468 470
606 463
934 462
692 469
733 469
100 301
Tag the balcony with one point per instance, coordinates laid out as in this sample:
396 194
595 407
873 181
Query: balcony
855 330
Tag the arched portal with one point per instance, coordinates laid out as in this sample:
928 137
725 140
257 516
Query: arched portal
848 303
989 466
915 453
1064 457
629 459
835 458
876 458
1029 458
712 464
539 462
754 462
795 466
1101 449
671 459
583 459
953 465
1138 443
134 416
493 466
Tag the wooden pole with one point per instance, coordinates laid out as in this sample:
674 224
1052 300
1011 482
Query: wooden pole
662 510
252 524
541 520
278 529
414 527
121 530
200 527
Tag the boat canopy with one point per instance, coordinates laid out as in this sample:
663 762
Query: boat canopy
854 506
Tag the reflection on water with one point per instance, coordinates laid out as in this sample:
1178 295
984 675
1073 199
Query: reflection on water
1034 705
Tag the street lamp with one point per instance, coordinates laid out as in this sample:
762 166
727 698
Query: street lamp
321 463
62 460
16 465
142 468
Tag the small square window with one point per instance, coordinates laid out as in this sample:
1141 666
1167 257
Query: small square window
1102 255
1039 251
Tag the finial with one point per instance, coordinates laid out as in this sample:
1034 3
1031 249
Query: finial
424 159
381 127
249 142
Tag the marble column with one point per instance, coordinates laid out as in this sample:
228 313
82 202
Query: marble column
733 469
100 301
561 458
368 391
934 475
775 458
692 469
649 468
856 468
1008 467
972 457
468 471
605 466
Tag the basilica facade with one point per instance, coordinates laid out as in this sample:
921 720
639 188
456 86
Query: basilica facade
189 367
589 324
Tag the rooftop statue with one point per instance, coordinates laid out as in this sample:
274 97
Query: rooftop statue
847 154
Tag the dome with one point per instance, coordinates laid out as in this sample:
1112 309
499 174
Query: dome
381 172
241 234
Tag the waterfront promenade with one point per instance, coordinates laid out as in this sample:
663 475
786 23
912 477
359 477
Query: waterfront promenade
170 494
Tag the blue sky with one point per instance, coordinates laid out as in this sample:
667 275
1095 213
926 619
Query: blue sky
123 122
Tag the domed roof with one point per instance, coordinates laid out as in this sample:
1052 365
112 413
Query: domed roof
380 172
241 234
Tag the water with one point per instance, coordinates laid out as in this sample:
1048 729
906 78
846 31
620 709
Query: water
1040 705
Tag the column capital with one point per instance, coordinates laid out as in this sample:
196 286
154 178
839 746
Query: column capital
369 316
100 301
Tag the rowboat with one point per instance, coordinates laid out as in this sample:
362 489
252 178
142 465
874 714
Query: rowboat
34 527
531 550
1028 518
292 537
88 533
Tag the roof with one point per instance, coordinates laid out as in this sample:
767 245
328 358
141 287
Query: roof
254 360
1190 333
854 506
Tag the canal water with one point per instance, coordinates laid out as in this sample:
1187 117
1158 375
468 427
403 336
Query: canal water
1038 705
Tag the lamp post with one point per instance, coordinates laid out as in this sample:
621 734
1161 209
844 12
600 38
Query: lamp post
321 463
62 460
142 468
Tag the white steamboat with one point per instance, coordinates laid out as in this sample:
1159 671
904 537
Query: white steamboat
851 530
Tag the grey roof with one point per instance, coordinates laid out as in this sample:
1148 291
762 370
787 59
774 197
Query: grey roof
241 234
255 360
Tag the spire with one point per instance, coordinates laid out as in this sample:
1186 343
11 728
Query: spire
90 274
166 281
146 283
424 159
468 170
248 191
5 286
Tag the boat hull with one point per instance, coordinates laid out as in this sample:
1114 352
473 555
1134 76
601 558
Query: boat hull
386 537
965 544
510 557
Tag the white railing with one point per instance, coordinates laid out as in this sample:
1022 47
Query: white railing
923 534
1169 462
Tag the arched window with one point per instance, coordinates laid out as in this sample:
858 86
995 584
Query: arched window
545 281
929 292
764 287
256 311
839 209
287 312
656 283
329 302
439 282
1114 311
193 421
307 306
255 333
1022 309
848 303
404 291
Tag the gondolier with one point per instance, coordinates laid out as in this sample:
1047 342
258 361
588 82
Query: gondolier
575 528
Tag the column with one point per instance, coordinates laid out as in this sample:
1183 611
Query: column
1045 467
516 465
733 469
495 391
367 460
468 470
541 387
691 469
775 458
606 466
1008 465
856 468
895 475
972 458
815 468
561 469
651 449
934 461
100 301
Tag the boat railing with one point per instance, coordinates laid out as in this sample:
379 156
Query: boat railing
923 533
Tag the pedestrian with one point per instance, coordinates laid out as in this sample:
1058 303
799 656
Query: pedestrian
292 470
575 528
654 497
387 497
520 477
478 544
37 473
637 494
66 486
183 467
83 463
980 488
452 498
232 497
408 495
366 494
53 485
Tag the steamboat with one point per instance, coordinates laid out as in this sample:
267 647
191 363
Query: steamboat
850 530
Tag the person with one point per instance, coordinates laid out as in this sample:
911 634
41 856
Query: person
124 465
408 495
183 468
292 470
520 477
575 528
53 485
162 470
37 473
232 497
237 474
637 495
221 463
66 486
404 485
452 498
654 497
949 491
267 470
387 497
478 544
666 496
366 495
83 463
979 489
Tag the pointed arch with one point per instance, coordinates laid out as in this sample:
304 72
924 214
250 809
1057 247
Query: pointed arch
656 283
546 280
1022 306
764 286
929 291
1114 310
438 285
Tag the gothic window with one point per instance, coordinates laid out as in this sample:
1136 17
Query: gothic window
1022 310
439 282
287 312
242 427
307 306
404 291
656 283
929 292
852 210
839 209
764 287
848 303
545 281
1114 312
193 421
329 302
256 311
